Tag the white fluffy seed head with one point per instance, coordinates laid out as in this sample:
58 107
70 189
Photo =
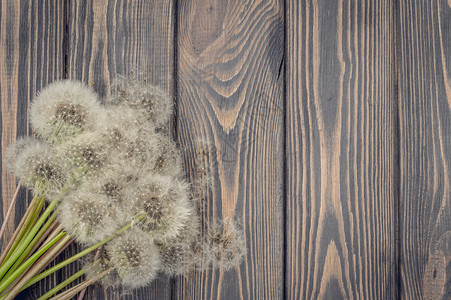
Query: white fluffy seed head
121 125
135 258
116 182
175 259
94 266
88 152
185 251
89 216
201 178
64 109
226 244
167 158
125 165
150 101
163 200
38 166
163 156
157 153
142 147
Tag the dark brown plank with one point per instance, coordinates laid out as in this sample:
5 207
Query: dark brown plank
31 56
31 37
341 137
117 37
230 93
424 96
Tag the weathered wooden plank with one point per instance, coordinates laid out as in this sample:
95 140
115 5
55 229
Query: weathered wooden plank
424 97
340 148
31 55
119 37
230 94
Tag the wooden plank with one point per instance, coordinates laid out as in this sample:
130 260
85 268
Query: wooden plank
424 97
340 148
230 94
31 55
119 37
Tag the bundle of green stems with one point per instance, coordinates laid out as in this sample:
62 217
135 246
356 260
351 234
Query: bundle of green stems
38 239
110 178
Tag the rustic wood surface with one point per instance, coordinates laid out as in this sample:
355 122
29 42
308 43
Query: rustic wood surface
230 93
31 55
424 96
328 126
340 150
106 38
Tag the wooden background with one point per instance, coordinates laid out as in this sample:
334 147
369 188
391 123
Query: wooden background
330 120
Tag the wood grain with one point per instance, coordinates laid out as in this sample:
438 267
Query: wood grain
424 98
230 94
119 37
328 126
340 148
31 56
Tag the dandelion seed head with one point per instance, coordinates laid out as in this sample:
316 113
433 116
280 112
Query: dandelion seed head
116 183
87 151
37 164
183 252
111 189
96 265
135 258
174 261
138 151
164 203
72 114
48 172
121 125
88 216
154 152
166 156
64 109
152 102
122 163
226 244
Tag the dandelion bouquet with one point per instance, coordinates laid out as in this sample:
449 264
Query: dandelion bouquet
109 177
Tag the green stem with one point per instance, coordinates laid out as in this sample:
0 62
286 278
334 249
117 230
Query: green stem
37 267
40 263
80 254
62 285
23 244
74 290
4 284
29 227
10 209
50 233
32 244
36 213
21 229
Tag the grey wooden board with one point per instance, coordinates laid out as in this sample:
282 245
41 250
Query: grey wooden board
424 97
328 122
340 148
